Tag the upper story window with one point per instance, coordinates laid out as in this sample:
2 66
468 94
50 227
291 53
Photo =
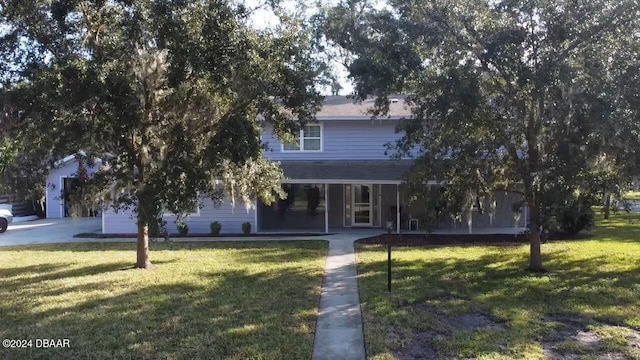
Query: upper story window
309 139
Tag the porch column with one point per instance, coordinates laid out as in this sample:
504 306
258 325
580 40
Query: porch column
492 209
398 208
470 219
326 208
470 213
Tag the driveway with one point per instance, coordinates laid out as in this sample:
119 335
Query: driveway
49 231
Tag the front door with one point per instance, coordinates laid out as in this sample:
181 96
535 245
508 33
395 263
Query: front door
361 213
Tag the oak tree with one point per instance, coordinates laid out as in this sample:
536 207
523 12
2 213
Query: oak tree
499 90
170 95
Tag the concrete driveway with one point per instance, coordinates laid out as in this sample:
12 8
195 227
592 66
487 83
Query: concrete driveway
49 231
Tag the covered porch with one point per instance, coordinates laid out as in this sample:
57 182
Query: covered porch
330 208
334 196
366 196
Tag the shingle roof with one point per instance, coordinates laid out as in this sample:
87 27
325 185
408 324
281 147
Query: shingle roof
341 106
365 170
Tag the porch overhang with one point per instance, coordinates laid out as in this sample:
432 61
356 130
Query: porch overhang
389 172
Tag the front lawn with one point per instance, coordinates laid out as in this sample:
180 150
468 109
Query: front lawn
478 302
242 300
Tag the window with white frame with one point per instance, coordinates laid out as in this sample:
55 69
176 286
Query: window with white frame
309 139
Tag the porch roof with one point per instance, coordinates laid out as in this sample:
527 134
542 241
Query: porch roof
345 171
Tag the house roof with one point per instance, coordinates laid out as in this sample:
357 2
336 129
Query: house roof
67 159
344 108
344 171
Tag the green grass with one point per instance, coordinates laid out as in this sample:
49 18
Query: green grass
632 195
595 282
244 300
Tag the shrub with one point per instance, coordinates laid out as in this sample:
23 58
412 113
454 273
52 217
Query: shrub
183 229
215 228
246 228
575 218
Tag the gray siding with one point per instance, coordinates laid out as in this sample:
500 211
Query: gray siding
54 187
342 140
231 218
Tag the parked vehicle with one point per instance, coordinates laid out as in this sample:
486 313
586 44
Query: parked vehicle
6 217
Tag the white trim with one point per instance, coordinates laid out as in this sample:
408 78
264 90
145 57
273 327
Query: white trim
62 177
301 141
398 209
380 205
61 197
346 202
326 208
64 161
102 211
255 215
344 205
67 159
353 207
344 210
470 219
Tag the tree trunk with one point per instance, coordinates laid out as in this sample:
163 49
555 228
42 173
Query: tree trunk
143 246
607 205
535 253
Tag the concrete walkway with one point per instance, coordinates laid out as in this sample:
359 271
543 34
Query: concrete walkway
339 329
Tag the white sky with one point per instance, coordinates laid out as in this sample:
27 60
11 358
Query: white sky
264 19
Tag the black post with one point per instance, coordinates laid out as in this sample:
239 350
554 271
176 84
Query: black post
389 262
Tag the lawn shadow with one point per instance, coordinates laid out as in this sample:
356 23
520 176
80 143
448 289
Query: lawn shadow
224 313
495 285
269 250
52 273
31 270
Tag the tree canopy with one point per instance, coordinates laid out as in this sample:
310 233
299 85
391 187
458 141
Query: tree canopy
170 95
518 95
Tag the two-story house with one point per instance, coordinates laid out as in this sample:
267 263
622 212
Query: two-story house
338 176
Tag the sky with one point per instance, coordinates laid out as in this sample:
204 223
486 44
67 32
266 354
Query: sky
264 19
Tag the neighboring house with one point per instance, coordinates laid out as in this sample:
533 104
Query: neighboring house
337 176
63 176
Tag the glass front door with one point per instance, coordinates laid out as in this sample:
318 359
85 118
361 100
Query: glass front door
361 205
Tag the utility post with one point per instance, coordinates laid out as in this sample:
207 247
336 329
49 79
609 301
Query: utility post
389 227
